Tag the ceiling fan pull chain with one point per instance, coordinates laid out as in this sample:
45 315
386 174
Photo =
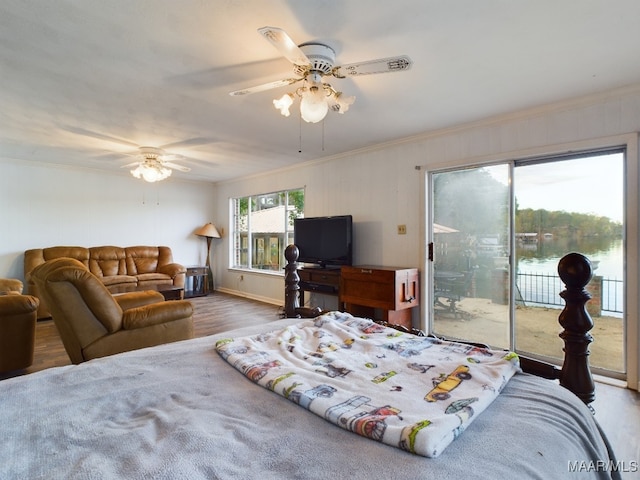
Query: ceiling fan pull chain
300 133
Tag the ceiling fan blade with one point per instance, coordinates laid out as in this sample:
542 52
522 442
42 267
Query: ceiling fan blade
130 165
200 162
265 86
381 65
168 157
191 142
129 154
98 135
108 156
287 47
175 166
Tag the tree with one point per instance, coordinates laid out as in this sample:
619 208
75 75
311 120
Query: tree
471 201
564 223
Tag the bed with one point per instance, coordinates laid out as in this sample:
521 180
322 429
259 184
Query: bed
181 410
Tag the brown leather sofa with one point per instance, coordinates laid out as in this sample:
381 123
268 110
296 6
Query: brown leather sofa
114 267
94 323
17 326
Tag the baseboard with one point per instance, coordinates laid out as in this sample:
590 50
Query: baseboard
614 382
250 296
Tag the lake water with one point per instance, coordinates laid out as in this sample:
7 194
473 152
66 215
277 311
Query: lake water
606 256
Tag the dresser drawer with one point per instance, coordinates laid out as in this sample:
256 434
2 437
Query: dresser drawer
320 276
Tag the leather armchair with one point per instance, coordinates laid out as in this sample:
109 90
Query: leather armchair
10 285
93 323
17 326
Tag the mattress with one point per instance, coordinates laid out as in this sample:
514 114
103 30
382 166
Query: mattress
180 411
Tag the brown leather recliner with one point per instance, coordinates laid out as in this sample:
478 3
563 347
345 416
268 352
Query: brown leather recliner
93 323
17 326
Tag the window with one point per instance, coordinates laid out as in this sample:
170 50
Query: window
263 227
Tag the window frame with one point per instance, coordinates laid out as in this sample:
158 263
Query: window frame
244 248
630 142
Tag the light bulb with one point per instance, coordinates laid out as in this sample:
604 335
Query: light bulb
339 103
344 102
151 173
283 103
314 106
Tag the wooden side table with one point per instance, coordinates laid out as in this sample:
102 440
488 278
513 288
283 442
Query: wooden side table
196 282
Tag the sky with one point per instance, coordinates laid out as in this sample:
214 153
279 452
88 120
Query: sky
585 185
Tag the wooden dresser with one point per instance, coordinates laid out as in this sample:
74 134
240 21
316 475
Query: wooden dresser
365 289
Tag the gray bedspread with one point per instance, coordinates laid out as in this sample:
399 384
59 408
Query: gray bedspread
178 411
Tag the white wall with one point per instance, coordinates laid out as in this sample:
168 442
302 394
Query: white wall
43 206
379 191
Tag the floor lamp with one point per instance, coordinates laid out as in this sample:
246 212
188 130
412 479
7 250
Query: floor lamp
209 231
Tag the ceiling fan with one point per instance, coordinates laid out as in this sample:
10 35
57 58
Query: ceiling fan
312 62
154 164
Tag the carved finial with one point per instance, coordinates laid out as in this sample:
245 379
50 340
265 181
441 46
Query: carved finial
291 253
291 279
575 271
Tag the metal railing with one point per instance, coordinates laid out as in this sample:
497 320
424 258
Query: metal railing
612 295
543 289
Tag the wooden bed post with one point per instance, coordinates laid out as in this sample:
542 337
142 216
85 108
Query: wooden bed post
291 279
575 271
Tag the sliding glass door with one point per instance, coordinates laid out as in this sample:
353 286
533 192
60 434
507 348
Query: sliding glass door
572 204
496 235
470 251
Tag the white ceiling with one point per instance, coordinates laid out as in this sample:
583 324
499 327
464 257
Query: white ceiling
83 82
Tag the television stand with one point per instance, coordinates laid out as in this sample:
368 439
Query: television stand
319 280
387 292
361 290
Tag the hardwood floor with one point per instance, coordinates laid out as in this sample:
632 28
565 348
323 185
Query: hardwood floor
212 314
618 413
617 409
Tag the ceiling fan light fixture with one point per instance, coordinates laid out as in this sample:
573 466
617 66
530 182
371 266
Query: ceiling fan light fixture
283 103
151 172
313 104
339 102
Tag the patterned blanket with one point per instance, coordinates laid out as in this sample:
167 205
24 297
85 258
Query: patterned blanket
414 393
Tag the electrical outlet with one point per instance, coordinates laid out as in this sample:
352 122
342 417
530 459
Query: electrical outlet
402 229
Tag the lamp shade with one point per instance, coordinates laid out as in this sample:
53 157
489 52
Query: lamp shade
151 172
209 230
313 106
284 103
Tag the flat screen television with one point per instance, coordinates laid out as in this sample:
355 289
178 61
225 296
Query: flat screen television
324 241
